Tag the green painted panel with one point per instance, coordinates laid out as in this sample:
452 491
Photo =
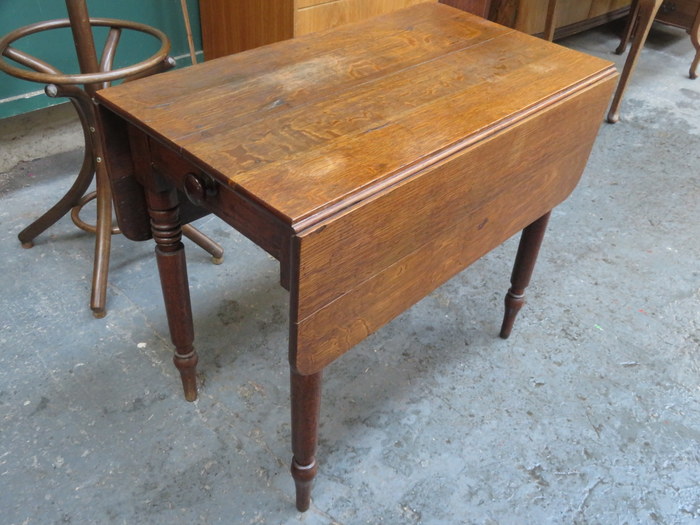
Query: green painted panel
56 46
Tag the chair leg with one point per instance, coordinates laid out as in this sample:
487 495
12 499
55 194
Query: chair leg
210 246
529 247
72 196
647 13
103 242
306 404
695 39
550 23
629 27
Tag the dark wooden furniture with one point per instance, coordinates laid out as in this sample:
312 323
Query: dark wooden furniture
94 75
374 162
573 16
231 26
680 13
686 15
639 23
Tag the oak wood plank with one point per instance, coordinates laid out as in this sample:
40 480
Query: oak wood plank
359 271
230 26
267 81
478 7
291 153
319 15
383 130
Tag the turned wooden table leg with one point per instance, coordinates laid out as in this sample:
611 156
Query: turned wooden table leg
306 404
172 267
647 10
529 247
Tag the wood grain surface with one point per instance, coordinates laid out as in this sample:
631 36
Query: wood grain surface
231 26
317 15
387 253
529 16
374 161
301 127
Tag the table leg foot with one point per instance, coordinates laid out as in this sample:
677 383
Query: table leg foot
303 481
306 404
172 267
529 247
613 117
513 304
187 366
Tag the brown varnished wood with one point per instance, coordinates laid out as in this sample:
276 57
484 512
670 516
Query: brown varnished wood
231 26
312 16
127 193
686 15
679 13
305 400
644 11
170 255
695 39
291 156
437 197
271 81
482 193
374 161
478 7
528 249
529 16
550 24
256 223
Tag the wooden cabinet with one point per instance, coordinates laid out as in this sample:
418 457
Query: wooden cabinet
679 13
686 15
572 16
230 26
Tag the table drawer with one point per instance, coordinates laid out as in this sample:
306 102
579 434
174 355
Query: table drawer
214 197
679 13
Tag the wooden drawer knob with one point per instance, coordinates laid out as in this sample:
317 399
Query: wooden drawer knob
199 187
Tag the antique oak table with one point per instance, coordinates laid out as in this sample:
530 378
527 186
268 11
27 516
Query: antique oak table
374 161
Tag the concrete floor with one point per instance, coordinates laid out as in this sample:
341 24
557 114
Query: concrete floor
589 413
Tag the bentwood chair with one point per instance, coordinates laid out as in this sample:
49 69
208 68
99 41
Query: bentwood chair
80 89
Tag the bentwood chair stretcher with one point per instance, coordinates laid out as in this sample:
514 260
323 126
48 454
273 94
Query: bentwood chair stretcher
374 161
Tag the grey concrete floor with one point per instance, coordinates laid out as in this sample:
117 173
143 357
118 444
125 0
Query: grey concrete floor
589 413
